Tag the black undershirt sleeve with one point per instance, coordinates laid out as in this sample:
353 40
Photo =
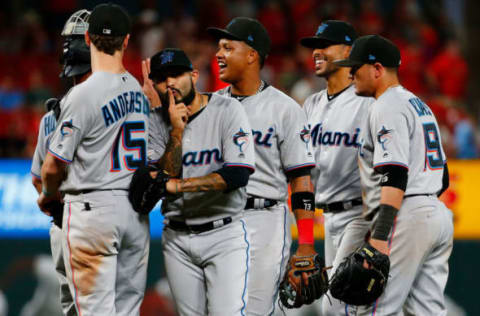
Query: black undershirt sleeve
235 177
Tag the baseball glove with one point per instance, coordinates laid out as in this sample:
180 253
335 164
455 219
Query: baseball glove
354 284
53 104
56 211
145 191
294 291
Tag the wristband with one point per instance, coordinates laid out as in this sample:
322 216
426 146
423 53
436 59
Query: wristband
384 222
303 201
305 231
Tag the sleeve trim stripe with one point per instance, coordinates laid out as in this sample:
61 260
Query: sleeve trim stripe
153 161
391 163
59 157
35 175
239 165
305 165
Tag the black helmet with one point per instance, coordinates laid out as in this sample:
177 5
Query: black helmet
75 57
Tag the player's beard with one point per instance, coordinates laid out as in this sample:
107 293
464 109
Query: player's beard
329 70
165 100
187 99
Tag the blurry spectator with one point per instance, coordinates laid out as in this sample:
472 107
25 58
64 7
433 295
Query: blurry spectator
272 16
241 8
412 70
38 92
466 146
448 72
11 97
152 36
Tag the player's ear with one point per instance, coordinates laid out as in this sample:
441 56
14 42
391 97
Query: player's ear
379 70
87 38
252 56
195 74
125 41
346 51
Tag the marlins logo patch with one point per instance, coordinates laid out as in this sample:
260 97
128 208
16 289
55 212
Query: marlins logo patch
305 135
66 129
241 140
384 136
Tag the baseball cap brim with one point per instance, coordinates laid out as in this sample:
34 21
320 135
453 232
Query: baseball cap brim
348 63
219 33
316 42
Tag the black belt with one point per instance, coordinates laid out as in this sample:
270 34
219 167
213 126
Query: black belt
418 194
196 229
266 203
78 192
336 207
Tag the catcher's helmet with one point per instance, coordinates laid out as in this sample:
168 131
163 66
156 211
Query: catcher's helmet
75 57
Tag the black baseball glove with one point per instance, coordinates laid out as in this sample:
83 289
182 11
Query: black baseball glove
146 189
354 284
56 211
53 104
294 291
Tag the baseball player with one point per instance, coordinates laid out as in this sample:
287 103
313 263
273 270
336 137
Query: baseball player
100 139
282 155
402 170
76 65
203 141
335 117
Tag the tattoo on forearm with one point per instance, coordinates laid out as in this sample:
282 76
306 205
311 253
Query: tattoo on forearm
301 184
211 182
171 160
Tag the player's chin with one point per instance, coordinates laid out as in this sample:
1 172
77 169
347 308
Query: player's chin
225 75
362 93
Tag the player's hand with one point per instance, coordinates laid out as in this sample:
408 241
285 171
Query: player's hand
380 245
302 251
148 88
178 113
44 200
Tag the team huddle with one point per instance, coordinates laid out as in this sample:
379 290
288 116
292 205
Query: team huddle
365 150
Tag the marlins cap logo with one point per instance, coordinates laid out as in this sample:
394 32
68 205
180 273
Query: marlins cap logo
166 57
321 28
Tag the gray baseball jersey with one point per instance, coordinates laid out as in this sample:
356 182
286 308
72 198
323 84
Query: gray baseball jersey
281 138
401 130
219 135
335 128
45 131
102 132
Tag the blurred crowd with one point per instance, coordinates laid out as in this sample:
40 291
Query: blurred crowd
428 34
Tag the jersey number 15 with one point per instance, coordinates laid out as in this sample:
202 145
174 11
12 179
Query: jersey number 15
129 144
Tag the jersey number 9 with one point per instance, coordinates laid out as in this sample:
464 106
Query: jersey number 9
129 144
433 151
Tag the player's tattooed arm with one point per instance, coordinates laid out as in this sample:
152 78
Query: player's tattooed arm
171 160
210 182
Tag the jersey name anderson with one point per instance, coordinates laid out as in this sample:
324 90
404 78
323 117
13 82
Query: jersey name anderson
127 102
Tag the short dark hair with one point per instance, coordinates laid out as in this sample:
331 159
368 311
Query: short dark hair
262 60
107 44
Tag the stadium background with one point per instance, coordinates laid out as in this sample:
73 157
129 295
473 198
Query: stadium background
439 63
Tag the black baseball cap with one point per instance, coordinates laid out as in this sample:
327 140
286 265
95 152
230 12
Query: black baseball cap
331 32
370 49
247 30
169 59
109 19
